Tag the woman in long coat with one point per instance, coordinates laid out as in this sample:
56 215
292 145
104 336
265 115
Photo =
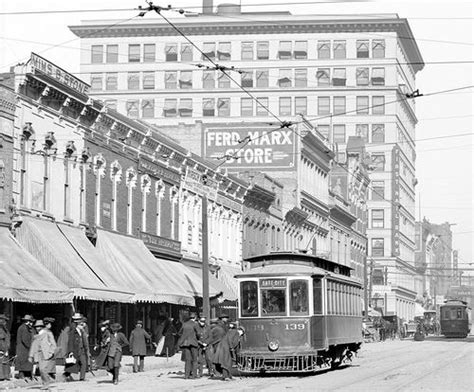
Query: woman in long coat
104 344
24 338
42 350
4 348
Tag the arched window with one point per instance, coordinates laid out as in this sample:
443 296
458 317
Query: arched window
116 178
98 167
131 183
159 193
145 186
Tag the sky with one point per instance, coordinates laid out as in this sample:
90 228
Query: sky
444 33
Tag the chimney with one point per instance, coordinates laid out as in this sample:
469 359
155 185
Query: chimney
207 7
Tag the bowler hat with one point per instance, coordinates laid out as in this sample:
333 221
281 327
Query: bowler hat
223 316
48 320
77 317
39 323
139 322
28 317
115 327
214 321
105 323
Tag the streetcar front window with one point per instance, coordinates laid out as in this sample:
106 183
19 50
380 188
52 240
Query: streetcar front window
249 299
299 298
273 302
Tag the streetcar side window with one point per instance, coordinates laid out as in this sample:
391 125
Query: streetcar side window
317 296
299 298
249 299
459 313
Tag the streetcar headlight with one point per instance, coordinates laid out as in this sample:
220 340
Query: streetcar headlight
273 345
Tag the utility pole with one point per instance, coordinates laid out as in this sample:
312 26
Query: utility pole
206 307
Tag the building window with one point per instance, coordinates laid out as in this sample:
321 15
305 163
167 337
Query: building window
170 108
132 109
362 49
301 77
223 107
247 51
247 79
324 105
133 81
301 105
133 53
148 80
111 81
377 247
160 194
378 190
224 51
324 49
377 218
362 130
284 51
263 50
285 106
186 79
362 76
339 105
341 157
171 52
223 80
148 108
209 50
339 77
149 53
339 49
97 54
208 79
208 107
339 133
171 80
262 77
99 165
378 48
378 77
284 80
131 182
186 52
261 105
96 82
362 105
116 178
301 50
145 185
185 107
246 107
323 77
378 162
323 130
111 54
378 105
111 104
378 133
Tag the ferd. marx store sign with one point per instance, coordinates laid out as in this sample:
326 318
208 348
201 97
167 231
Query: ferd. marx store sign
250 147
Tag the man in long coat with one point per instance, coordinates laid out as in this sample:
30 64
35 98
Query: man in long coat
114 356
42 350
78 347
225 351
189 343
4 348
138 339
204 334
24 338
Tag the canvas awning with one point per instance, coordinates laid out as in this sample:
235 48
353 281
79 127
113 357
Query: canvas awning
47 243
24 279
215 285
226 275
153 279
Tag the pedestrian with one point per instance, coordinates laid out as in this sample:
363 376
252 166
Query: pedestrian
114 356
189 342
104 344
203 337
225 351
24 338
77 349
169 332
61 352
42 350
4 348
217 333
138 341
224 319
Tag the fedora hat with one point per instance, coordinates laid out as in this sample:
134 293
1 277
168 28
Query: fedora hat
49 320
28 317
139 322
115 327
39 323
105 323
77 317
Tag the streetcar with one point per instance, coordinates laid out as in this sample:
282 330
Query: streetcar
455 319
300 313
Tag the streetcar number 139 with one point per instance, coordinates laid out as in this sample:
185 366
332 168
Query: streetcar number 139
294 327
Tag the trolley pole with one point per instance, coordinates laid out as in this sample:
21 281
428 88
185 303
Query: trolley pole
206 307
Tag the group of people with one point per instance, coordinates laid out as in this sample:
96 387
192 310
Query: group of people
215 345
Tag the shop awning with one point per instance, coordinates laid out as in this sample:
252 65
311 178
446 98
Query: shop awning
226 275
215 285
24 279
46 242
152 279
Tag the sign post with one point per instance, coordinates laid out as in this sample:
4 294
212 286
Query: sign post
201 184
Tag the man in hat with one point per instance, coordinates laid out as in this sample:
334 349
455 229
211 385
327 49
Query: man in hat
43 349
77 348
138 340
4 347
217 333
204 333
24 338
224 319
188 342
114 356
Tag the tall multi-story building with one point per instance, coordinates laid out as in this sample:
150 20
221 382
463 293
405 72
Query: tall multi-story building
348 75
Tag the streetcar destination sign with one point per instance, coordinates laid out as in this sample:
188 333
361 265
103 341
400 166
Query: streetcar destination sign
272 283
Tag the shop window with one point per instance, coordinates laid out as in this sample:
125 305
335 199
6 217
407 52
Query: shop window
209 50
262 77
301 77
133 81
362 105
339 77
378 133
111 81
186 79
263 50
324 105
111 54
299 303
171 52
284 51
132 109
247 51
362 76
186 52
324 49
148 108
223 51
378 105
148 80
378 77
377 219
378 48
208 107
97 54
377 247
301 105
171 80
301 50
149 53
339 49
378 190
247 79
339 105
323 77
223 107
170 108
339 132
133 53
185 107
261 105
208 79
249 299
273 295
362 49
284 79
362 130
285 106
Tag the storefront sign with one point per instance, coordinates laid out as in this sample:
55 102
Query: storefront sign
41 65
156 170
201 184
251 147
272 283
160 244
